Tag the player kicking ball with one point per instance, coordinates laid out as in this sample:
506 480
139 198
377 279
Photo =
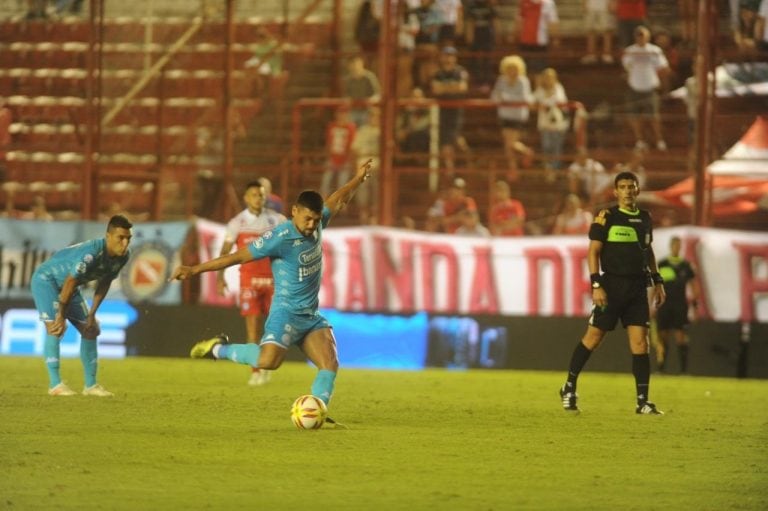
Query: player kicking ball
296 253
56 291
620 244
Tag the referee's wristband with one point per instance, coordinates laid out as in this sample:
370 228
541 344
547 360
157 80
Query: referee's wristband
657 278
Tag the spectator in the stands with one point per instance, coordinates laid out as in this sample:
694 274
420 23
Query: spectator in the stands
537 26
748 16
413 124
471 225
669 78
366 146
361 86
366 30
451 21
425 57
573 219
644 62
446 213
481 32
339 135
761 27
599 23
552 120
450 82
630 14
688 11
588 178
408 27
265 67
513 86
507 215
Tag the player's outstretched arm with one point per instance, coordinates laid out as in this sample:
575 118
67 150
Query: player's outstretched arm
338 199
184 272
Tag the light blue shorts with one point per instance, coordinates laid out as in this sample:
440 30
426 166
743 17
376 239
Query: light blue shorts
46 297
286 328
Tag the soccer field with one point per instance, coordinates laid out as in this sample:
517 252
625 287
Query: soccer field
183 434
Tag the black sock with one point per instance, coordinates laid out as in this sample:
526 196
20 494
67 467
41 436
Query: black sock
578 359
641 368
682 351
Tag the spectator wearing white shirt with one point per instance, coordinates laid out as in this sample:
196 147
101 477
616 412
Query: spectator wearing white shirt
643 62
587 178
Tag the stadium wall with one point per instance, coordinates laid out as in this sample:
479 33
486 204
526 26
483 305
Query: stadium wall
390 341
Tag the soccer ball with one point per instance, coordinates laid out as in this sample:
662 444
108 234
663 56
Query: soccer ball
308 412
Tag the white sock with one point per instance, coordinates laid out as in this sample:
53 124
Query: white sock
215 350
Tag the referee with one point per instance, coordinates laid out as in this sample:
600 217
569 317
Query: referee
672 317
620 245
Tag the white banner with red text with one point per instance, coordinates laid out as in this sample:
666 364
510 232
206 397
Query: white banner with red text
398 271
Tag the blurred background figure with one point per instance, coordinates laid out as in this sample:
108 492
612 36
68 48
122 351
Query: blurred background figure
471 225
361 86
644 63
366 146
511 86
552 121
413 125
587 178
672 317
445 215
573 219
507 215
482 31
451 81
599 23
339 135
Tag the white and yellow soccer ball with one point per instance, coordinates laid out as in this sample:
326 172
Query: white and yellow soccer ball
308 412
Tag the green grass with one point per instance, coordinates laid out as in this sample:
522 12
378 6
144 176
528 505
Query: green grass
183 434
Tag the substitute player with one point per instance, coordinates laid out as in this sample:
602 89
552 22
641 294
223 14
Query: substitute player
256 284
620 245
672 316
55 289
295 250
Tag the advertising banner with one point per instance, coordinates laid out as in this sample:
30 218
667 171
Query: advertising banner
24 244
397 271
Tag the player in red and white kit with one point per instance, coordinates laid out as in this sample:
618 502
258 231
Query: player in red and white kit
256 284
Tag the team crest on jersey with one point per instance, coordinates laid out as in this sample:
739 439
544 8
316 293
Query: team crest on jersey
267 235
258 242
87 258
146 274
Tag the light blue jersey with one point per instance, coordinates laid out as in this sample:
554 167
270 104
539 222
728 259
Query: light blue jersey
297 264
84 262
297 267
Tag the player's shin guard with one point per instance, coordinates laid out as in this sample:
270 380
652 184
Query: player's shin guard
641 368
322 387
241 353
89 356
51 350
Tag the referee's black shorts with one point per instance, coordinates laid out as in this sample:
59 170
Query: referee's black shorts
672 315
627 301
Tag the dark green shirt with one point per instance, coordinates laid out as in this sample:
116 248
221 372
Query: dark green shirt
626 238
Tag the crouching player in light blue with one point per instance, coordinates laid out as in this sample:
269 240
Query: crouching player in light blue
296 254
56 291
